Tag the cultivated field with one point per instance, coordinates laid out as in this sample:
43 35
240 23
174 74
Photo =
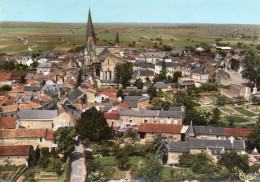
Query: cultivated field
64 36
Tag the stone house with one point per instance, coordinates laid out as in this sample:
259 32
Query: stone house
45 68
223 78
25 59
237 90
108 67
34 137
170 67
143 74
149 131
36 118
139 102
77 97
212 147
63 120
200 74
151 56
151 116
106 96
15 155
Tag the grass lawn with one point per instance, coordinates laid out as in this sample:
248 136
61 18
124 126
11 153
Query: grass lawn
170 174
245 112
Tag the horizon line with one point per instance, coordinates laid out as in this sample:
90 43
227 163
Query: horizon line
128 23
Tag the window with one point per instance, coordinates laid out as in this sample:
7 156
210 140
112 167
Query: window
175 121
130 120
17 157
40 139
122 120
161 121
36 123
52 125
145 120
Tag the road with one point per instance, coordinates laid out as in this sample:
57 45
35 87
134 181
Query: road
78 170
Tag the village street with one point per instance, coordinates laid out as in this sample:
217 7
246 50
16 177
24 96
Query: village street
78 170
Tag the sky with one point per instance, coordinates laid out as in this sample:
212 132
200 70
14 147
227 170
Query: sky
135 11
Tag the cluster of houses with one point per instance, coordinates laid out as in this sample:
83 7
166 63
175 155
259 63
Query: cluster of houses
42 101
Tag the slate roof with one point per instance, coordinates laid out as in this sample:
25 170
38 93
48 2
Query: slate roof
31 88
149 113
222 73
201 70
151 55
162 85
70 109
178 147
177 108
132 101
168 64
45 65
90 28
145 72
195 143
159 128
209 130
50 94
128 90
106 108
15 150
190 131
37 114
75 95
239 86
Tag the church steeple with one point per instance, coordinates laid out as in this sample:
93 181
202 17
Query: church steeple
90 50
117 39
90 28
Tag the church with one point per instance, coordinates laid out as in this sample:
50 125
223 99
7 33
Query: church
100 61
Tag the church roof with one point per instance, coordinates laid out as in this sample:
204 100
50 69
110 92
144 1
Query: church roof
90 28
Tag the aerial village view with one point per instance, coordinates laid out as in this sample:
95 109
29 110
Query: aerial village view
141 90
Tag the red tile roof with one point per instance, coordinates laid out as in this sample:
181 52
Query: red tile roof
112 115
11 108
8 122
4 100
15 150
157 128
112 90
19 88
123 105
49 135
109 94
22 133
243 132
44 98
5 76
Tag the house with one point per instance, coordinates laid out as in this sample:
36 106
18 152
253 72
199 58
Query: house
186 69
34 137
170 67
112 113
222 77
5 79
164 86
70 109
149 131
213 147
143 74
36 118
106 96
25 59
238 133
139 64
140 102
8 122
200 74
151 56
77 97
44 68
63 120
151 116
108 66
90 93
15 155
237 90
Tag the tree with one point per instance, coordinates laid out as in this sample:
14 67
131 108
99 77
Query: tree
35 64
160 148
5 88
139 84
79 79
133 135
234 64
124 73
151 91
162 76
150 171
232 159
253 140
123 159
93 126
251 69
120 94
255 100
66 140
176 76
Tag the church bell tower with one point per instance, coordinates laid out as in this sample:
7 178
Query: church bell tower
90 47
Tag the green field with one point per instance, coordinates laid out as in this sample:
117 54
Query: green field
63 36
245 112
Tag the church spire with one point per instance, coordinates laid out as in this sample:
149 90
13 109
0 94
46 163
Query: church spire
90 28
117 39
